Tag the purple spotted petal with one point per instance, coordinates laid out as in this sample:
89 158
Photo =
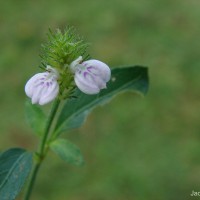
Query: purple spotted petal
99 68
42 88
91 76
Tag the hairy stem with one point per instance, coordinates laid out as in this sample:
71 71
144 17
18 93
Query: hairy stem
42 149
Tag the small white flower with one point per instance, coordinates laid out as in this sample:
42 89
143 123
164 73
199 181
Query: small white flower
42 88
90 76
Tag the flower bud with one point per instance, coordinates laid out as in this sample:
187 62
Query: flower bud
91 76
42 88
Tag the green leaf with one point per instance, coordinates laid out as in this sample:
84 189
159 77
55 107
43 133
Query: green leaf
123 79
15 165
67 151
35 118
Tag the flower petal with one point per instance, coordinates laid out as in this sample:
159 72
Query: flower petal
50 94
75 63
37 94
43 87
100 67
29 87
49 98
85 86
91 76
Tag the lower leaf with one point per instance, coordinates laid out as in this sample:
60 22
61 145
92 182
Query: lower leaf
15 166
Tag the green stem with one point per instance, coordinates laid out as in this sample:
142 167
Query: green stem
32 181
48 126
42 149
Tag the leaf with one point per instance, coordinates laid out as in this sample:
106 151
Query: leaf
75 111
67 151
35 117
15 165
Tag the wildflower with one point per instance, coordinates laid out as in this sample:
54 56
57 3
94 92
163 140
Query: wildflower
42 88
90 76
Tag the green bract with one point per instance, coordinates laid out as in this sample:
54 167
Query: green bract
63 48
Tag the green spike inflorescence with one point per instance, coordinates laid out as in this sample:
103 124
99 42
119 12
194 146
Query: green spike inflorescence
63 48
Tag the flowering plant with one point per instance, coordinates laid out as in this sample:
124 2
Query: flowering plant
76 84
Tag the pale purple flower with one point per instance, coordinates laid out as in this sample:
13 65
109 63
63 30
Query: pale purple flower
90 76
42 88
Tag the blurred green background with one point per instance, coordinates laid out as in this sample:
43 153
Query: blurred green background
135 148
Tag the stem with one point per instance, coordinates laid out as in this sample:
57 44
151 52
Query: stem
48 126
32 181
42 150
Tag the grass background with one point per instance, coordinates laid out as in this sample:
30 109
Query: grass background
135 148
